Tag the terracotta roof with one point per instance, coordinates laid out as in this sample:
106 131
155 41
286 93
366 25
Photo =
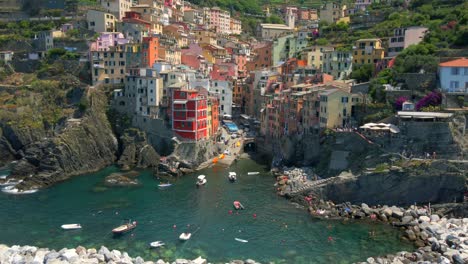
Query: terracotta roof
463 62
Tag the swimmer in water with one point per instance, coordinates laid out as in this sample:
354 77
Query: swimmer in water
330 239
174 226
254 215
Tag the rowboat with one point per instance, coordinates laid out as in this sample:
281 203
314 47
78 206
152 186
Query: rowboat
232 176
253 173
238 205
164 185
185 236
71 226
124 228
156 244
241 240
12 190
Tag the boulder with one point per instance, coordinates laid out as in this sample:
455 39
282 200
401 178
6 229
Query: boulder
199 260
407 219
410 234
139 260
80 250
457 259
181 261
39 256
424 218
435 218
250 261
370 260
70 255
387 212
452 241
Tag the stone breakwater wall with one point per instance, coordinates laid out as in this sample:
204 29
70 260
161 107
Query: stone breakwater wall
81 255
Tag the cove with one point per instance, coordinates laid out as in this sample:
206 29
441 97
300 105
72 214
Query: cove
281 232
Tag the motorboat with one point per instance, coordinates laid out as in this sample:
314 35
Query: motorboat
238 205
164 185
71 226
185 236
201 180
124 228
12 190
253 173
156 244
232 176
241 240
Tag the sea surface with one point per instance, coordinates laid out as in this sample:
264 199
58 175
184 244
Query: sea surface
280 231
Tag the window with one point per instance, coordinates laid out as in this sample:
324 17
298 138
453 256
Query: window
344 99
455 71
466 71
454 85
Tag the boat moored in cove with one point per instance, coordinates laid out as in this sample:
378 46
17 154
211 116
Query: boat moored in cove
253 173
124 228
156 244
238 205
232 176
71 226
185 236
201 180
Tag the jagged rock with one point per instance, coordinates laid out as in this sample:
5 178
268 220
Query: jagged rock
457 259
410 234
136 151
118 179
406 219
424 218
181 261
435 218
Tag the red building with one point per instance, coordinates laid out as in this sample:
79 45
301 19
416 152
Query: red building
189 114
214 101
149 53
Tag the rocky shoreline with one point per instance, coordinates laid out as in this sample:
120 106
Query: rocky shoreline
81 255
439 239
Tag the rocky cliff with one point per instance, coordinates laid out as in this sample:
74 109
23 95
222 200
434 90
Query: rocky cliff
136 152
81 145
435 182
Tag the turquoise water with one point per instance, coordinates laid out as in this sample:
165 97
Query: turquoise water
281 232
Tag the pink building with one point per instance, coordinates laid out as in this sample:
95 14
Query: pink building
107 40
241 61
217 19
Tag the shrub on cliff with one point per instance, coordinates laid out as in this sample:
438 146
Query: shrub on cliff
432 99
399 102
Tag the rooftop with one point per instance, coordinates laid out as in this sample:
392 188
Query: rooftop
423 115
275 26
463 62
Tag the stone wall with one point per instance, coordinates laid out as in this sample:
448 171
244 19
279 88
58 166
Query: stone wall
158 132
418 81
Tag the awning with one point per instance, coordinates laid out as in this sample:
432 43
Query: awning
180 101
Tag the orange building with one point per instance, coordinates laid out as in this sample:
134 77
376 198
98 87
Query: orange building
261 56
150 52
213 103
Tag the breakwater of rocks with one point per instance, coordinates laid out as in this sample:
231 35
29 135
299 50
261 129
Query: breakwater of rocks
81 255
439 239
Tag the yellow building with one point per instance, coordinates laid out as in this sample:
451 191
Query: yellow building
148 14
337 107
108 67
368 51
314 55
205 36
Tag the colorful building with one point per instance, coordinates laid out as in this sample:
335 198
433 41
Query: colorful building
337 63
368 51
217 19
453 76
333 12
403 38
213 116
337 107
189 114
150 51
117 7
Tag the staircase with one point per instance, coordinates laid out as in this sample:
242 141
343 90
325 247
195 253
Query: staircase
310 186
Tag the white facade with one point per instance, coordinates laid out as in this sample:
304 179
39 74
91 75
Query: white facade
144 92
454 76
404 37
224 91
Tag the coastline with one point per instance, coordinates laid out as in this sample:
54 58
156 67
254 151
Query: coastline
35 255
438 238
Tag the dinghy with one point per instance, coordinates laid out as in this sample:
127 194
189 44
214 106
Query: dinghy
201 180
232 176
185 236
71 226
238 205
241 240
156 244
253 173
164 185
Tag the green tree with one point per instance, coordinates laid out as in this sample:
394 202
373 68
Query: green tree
363 73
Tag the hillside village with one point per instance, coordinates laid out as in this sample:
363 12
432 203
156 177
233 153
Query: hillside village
184 68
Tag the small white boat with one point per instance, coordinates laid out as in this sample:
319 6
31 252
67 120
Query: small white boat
3 176
241 240
253 173
201 180
164 185
185 236
12 190
156 244
232 176
71 226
